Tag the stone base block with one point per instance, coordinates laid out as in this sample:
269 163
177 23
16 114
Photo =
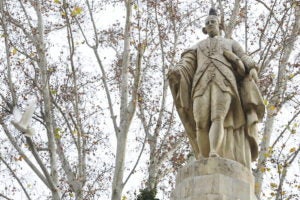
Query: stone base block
214 179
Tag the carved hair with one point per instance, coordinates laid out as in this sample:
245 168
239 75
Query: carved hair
213 11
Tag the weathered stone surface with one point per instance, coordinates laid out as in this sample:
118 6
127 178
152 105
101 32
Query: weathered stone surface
216 97
214 179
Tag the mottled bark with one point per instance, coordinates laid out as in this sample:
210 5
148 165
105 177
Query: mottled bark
48 117
276 100
127 110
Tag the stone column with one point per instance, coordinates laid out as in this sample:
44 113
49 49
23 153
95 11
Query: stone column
214 179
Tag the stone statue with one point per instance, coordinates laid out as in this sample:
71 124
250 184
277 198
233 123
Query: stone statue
216 96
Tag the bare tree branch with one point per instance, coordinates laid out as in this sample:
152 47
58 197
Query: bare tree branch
15 177
26 159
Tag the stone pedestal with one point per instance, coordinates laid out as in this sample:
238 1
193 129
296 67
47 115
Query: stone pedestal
214 179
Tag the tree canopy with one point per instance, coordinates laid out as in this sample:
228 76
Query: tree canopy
104 123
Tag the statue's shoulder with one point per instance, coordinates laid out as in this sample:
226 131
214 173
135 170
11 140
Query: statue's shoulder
196 46
189 50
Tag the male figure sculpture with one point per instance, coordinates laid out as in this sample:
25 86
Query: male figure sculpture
215 94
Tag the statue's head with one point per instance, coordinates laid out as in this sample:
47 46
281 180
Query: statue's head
212 24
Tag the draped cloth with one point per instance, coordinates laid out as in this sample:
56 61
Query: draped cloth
240 140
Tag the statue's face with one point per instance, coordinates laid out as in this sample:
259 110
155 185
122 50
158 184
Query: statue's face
212 26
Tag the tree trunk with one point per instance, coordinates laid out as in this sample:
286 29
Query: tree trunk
265 143
119 166
277 100
126 112
153 167
42 63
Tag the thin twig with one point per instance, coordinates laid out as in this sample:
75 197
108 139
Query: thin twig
16 177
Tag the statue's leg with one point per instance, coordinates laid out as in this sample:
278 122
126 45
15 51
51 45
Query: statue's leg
201 110
220 105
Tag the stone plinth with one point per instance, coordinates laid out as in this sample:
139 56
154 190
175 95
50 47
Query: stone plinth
214 179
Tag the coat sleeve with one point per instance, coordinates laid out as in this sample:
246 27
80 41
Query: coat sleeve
181 89
181 92
247 60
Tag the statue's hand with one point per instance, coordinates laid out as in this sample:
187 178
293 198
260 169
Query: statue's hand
173 75
249 62
253 75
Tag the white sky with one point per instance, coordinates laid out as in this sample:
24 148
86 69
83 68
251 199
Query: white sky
108 16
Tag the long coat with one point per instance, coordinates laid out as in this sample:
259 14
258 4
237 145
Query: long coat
192 68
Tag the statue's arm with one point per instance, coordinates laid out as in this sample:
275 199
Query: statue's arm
188 60
247 60
187 65
250 65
